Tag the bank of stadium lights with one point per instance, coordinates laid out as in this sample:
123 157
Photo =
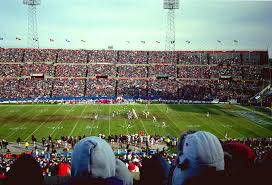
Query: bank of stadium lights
170 36
33 36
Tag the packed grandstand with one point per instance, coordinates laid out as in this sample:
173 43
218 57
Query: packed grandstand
179 75
202 76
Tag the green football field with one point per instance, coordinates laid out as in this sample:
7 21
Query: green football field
57 120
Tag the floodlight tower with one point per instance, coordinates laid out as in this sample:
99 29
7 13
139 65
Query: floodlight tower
33 36
170 37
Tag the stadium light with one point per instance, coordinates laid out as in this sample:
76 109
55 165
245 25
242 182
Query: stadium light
170 36
171 4
33 36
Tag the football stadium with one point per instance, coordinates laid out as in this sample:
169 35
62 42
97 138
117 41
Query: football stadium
142 110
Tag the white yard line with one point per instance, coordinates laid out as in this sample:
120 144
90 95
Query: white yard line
72 131
158 130
35 115
269 131
178 132
61 121
142 124
5 108
42 124
10 113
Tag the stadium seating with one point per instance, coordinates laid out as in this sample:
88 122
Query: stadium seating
100 87
10 70
40 55
186 75
72 56
132 88
30 69
132 57
11 55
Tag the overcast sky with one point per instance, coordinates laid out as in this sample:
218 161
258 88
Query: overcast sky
113 22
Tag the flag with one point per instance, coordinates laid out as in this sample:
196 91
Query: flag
17 38
1 38
219 41
67 40
51 40
143 42
83 41
236 41
158 42
188 42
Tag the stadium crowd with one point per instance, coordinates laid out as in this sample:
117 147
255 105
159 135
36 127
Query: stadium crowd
10 70
72 56
194 72
68 87
31 69
99 87
162 57
132 71
232 161
71 70
132 57
188 58
102 56
132 88
40 55
11 55
181 75
163 70
102 69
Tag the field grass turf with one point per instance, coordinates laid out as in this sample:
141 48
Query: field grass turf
57 120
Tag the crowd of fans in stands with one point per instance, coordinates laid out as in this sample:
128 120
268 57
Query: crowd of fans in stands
133 57
230 161
71 70
32 69
40 55
100 87
108 70
194 72
185 75
10 70
132 71
68 87
132 88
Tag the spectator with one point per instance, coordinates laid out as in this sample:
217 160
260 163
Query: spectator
26 145
154 171
197 152
64 169
94 158
25 170
242 157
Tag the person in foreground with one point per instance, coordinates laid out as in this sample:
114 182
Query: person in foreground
199 153
93 162
25 170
